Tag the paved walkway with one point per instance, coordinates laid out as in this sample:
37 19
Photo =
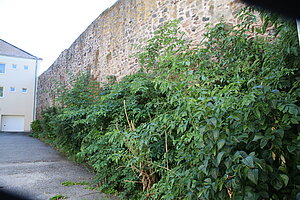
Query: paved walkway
30 168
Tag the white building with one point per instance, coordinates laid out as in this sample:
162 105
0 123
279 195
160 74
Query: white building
18 82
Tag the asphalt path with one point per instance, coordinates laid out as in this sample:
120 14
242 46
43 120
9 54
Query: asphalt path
32 169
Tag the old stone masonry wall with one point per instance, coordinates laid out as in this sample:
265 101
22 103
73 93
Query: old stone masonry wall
106 46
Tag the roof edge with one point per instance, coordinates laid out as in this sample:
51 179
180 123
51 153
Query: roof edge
32 58
35 57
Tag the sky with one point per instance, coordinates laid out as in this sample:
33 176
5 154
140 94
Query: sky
44 28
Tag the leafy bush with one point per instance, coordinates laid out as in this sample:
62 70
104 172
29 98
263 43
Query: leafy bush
63 126
36 126
214 121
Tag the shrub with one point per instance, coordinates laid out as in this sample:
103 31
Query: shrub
36 126
214 121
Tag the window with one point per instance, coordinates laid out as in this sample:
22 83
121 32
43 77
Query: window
2 68
26 67
24 90
1 92
12 89
14 66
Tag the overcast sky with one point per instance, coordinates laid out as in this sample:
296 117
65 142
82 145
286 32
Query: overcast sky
45 28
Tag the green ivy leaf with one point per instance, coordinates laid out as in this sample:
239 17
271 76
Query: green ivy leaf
219 157
250 194
277 184
214 121
294 121
291 148
284 178
293 109
248 161
221 143
257 113
263 142
216 134
253 175
257 137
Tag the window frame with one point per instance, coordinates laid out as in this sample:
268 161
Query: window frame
13 88
1 96
4 68
22 90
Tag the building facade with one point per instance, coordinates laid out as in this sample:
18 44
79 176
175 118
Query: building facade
18 83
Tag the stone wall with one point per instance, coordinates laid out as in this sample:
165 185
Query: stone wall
104 48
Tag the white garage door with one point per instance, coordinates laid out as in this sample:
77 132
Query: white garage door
12 123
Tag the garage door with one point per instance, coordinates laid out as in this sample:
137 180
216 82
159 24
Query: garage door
12 123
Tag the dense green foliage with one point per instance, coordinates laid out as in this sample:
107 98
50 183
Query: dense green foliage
215 121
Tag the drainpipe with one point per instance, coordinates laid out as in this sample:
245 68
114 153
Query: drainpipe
35 88
298 28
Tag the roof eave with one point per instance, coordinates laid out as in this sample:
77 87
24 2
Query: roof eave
32 58
36 58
